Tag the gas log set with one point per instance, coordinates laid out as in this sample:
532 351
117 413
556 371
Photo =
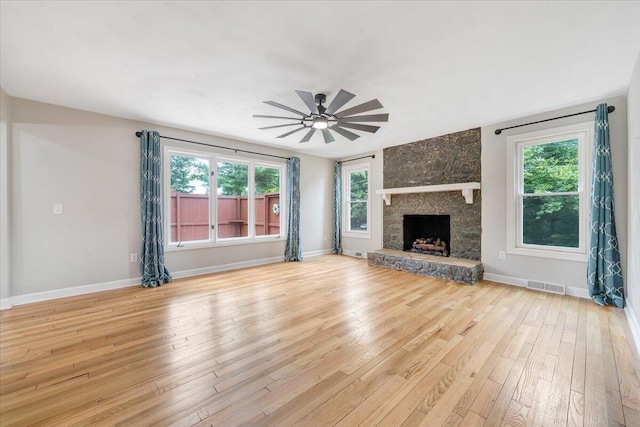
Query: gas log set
430 246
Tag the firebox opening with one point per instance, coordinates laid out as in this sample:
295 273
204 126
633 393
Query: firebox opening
429 234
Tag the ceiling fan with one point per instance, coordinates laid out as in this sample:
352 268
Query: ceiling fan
328 118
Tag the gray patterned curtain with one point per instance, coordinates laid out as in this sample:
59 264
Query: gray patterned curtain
604 271
154 272
292 251
337 223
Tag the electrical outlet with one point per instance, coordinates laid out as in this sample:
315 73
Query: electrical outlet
502 255
133 258
58 209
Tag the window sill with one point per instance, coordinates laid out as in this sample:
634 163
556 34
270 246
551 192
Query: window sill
540 253
221 244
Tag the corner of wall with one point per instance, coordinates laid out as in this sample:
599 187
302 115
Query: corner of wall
634 325
5 152
632 279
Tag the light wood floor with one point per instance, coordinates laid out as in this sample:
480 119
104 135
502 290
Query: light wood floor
329 341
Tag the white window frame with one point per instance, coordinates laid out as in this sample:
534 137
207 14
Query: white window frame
583 132
283 190
346 196
167 194
214 240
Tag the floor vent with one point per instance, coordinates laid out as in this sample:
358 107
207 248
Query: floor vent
546 287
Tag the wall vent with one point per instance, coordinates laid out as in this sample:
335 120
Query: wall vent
359 254
546 287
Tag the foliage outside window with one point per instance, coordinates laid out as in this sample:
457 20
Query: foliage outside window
356 207
246 205
550 175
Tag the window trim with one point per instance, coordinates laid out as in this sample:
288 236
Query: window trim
213 240
346 174
515 185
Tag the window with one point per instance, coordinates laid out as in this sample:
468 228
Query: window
548 210
356 206
189 198
267 201
245 206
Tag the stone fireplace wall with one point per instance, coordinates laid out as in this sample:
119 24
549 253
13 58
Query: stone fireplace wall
446 159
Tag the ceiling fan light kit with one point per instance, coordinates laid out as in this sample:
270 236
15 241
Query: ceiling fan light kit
326 119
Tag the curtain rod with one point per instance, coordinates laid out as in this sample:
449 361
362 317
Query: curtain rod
218 146
610 109
373 156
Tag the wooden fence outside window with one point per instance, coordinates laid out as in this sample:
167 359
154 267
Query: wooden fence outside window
190 216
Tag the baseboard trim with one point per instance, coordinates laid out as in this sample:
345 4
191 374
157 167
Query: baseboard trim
633 325
506 280
108 286
72 292
354 254
516 281
320 252
225 267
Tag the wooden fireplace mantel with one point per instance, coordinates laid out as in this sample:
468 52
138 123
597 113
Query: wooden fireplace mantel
466 188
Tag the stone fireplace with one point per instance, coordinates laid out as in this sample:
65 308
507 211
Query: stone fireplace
430 165
448 159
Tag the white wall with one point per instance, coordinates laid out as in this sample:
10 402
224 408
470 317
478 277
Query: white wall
632 281
316 204
494 196
90 163
351 245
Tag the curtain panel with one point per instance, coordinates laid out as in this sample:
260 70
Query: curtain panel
154 272
337 212
293 251
604 271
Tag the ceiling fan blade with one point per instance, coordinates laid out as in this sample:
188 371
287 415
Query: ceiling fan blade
307 98
341 98
284 107
289 133
367 106
366 128
369 118
347 134
327 136
308 136
275 117
281 126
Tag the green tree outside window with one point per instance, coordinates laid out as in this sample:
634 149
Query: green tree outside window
550 216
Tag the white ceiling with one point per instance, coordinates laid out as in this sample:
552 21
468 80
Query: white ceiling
437 67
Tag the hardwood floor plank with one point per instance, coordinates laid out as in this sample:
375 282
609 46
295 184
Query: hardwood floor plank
472 420
576 409
627 362
595 408
501 370
516 415
631 416
486 398
328 341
